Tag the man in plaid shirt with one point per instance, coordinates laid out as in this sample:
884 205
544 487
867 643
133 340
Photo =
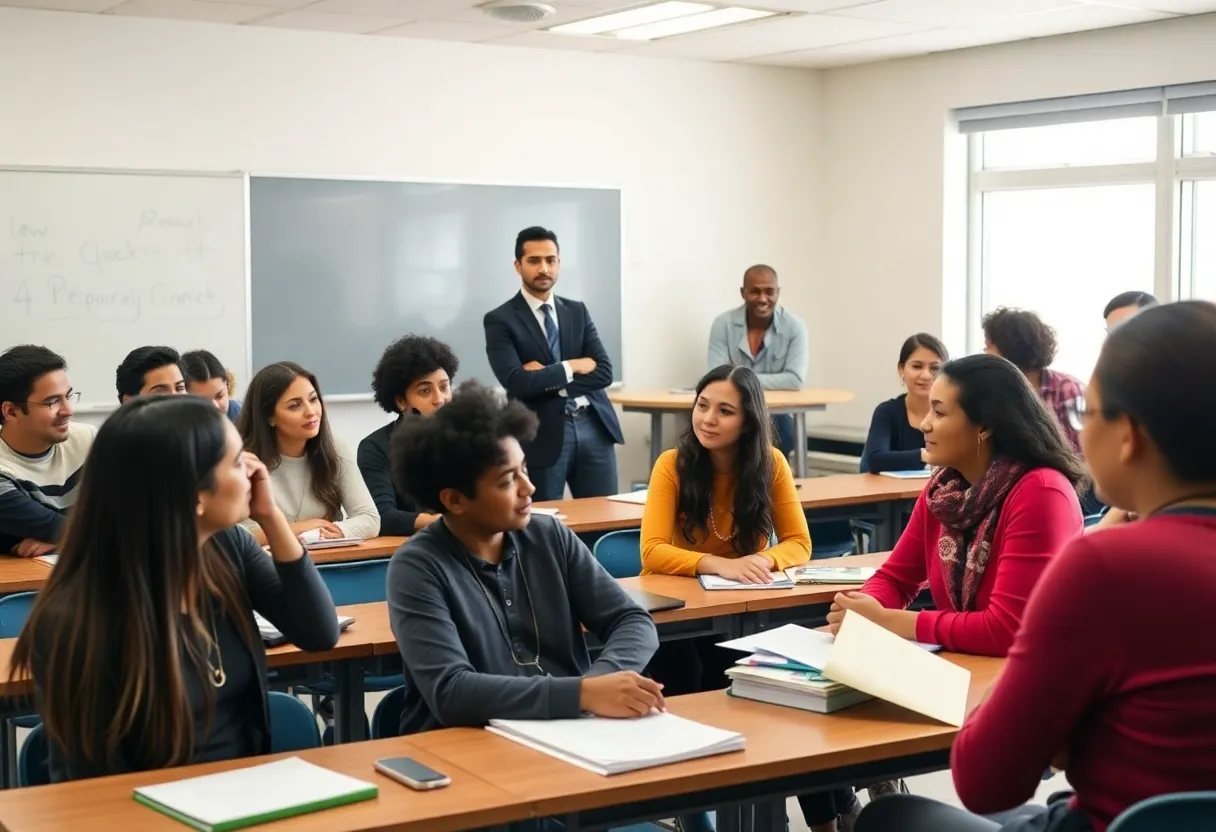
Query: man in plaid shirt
1028 343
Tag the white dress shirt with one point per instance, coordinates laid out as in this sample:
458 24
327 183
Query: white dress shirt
535 305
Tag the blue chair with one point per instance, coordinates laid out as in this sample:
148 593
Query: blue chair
293 726
33 765
1092 519
355 582
1182 812
386 719
14 610
620 553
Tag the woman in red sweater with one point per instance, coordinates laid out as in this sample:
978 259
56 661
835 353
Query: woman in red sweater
1126 703
1003 502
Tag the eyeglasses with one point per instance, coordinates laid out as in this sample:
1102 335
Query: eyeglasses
1078 412
56 403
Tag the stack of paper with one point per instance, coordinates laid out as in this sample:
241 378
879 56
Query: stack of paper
863 658
272 637
830 574
257 794
780 581
614 746
636 497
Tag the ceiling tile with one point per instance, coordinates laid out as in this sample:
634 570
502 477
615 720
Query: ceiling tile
87 6
443 30
571 43
882 49
950 12
193 10
402 9
565 13
770 37
805 6
352 24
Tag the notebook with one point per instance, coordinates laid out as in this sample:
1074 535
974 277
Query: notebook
780 581
830 574
635 497
258 794
49 560
919 474
273 638
547 512
312 539
614 746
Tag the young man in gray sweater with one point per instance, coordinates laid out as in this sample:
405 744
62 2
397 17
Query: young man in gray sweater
488 603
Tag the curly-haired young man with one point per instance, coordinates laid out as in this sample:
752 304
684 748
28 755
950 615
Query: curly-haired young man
412 378
1022 338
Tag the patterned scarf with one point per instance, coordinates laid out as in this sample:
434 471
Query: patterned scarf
969 517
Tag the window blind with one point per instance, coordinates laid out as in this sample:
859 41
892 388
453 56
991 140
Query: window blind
1147 101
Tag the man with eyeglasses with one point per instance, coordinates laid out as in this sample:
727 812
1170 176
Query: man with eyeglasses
487 604
41 449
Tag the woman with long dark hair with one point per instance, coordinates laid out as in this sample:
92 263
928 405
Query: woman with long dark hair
895 441
1123 703
715 500
1002 503
142 645
315 481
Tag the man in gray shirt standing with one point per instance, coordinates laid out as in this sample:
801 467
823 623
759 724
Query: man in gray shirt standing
487 604
764 337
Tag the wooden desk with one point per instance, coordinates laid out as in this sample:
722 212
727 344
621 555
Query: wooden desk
469 803
496 781
788 751
795 402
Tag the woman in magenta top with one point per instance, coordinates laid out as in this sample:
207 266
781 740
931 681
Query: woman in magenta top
1003 501
1113 672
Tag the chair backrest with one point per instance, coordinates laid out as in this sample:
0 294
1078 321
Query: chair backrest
293 726
386 719
620 552
33 765
1182 812
1093 519
14 610
357 582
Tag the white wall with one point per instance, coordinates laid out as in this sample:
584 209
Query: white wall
893 205
717 163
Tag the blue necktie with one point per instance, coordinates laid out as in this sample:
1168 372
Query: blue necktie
555 345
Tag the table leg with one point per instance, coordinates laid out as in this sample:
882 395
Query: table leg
769 816
800 451
349 709
656 437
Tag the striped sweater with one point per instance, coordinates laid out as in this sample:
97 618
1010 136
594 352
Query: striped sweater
35 491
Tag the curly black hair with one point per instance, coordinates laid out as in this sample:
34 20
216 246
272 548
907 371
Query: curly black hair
405 361
457 445
1021 337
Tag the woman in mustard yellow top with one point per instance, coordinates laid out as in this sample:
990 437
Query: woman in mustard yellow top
716 501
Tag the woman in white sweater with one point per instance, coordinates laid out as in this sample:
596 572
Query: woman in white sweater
314 479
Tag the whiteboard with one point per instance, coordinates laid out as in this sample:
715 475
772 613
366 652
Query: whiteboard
341 268
96 263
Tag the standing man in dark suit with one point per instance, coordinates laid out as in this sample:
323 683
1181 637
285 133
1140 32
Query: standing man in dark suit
545 351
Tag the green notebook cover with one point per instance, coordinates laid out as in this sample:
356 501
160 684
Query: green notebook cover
370 793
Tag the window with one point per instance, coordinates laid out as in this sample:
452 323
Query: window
1072 145
1064 215
1089 245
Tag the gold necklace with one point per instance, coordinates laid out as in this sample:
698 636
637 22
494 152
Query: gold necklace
714 528
218 676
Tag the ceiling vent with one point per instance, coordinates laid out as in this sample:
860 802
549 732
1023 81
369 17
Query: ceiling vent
518 11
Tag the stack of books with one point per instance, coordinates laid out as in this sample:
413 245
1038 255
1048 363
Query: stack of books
767 678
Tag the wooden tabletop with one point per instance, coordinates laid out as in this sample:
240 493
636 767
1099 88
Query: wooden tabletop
780 742
469 803
631 399
376 547
496 781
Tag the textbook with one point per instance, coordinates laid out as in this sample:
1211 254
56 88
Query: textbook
808 690
780 581
614 746
830 574
248 796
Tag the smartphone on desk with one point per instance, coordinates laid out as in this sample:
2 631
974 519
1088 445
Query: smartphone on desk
412 773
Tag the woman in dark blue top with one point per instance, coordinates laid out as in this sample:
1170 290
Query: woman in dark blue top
895 442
